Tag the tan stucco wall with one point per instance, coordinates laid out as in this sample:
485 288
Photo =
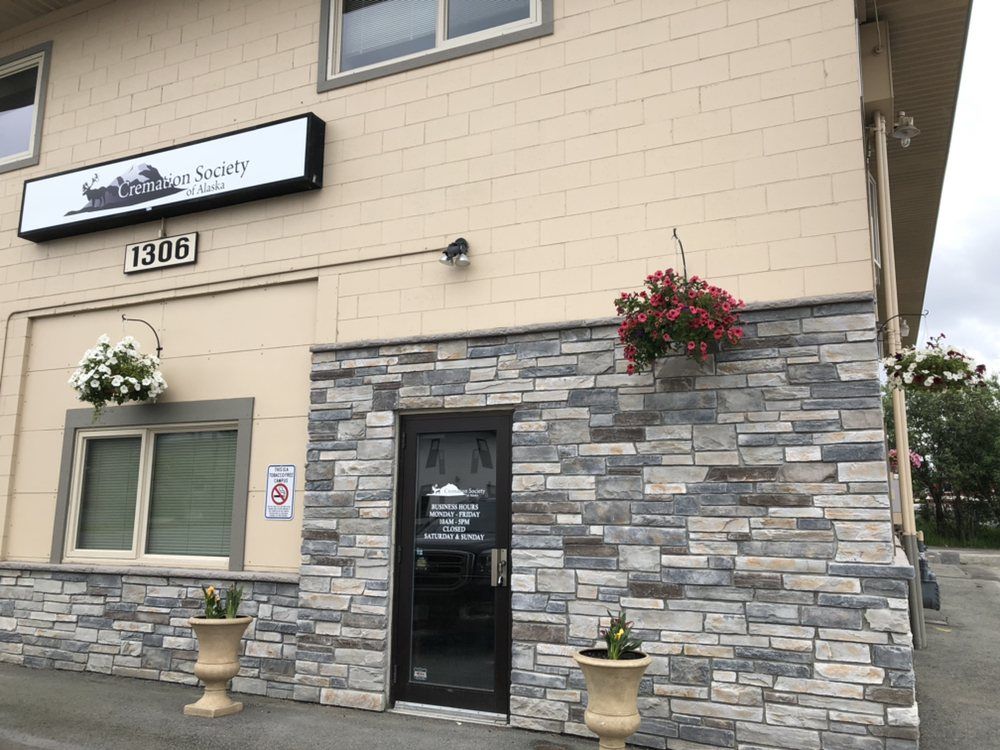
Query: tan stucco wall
252 342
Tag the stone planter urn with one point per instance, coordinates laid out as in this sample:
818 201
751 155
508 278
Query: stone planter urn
613 690
218 662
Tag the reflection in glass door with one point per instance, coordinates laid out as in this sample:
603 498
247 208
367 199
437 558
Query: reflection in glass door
452 623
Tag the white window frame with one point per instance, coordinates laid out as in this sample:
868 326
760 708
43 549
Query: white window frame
140 526
539 23
30 58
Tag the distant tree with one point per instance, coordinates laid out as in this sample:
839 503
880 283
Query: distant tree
957 431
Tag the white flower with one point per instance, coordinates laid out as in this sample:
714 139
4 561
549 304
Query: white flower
94 384
116 381
124 389
104 339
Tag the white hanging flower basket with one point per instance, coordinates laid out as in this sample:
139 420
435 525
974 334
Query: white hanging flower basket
936 367
117 374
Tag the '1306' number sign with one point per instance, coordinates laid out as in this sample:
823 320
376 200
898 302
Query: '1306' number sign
166 251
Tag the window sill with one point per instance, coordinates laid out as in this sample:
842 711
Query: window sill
544 28
213 574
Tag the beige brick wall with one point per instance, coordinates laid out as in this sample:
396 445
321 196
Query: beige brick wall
565 161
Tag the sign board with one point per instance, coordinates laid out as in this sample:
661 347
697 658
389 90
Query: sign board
279 497
161 252
285 156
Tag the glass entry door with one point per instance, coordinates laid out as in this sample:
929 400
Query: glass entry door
451 636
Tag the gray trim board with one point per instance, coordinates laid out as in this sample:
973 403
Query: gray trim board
325 83
829 299
43 88
239 410
203 574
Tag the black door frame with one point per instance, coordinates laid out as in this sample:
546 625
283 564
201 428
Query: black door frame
401 687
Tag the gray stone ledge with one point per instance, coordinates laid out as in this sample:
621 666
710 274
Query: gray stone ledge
830 299
210 574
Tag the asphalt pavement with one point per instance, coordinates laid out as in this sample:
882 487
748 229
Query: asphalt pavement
44 709
958 674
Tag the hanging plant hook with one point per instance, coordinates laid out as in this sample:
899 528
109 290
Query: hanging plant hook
680 245
159 348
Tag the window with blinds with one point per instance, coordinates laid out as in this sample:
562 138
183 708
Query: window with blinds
108 493
191 493
174 486
378 31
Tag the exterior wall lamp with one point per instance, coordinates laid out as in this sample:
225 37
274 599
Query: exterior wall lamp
905 130
456 254
904 327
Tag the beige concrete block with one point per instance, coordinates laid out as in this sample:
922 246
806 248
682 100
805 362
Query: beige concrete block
796 136
786 284
738 147
850 186
730 93
837 157
760 59
671 159
834 218
853 246
707 124
828 101
761 115
825 44
703 180
731 261
700 72
732 203
765 169
803 251
698 20
814 191
855 276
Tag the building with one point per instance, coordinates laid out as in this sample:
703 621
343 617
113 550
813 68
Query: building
737 510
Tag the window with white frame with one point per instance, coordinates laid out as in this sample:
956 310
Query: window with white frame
22 97
153 494
369 38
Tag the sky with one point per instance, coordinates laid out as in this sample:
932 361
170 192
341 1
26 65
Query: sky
963 287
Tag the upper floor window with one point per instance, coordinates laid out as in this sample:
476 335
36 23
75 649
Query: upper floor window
22 100
365 39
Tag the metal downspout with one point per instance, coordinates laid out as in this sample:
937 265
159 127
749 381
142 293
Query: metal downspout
898 397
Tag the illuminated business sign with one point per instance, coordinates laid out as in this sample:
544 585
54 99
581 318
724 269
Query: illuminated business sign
277 158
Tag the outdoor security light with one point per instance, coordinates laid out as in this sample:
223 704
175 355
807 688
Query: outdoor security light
905 130
456 254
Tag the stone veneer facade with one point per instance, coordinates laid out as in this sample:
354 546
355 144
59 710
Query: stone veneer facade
737 509
134 624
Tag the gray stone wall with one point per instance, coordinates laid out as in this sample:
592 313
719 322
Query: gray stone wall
737 509
135 625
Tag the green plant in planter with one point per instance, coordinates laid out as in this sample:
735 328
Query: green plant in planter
619 638
217 608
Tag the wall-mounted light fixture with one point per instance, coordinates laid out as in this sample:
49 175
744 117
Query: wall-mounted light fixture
904 327
904 129
456 254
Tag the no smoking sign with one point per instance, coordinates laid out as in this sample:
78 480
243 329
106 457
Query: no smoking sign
279 497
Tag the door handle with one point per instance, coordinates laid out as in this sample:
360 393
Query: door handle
498 567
